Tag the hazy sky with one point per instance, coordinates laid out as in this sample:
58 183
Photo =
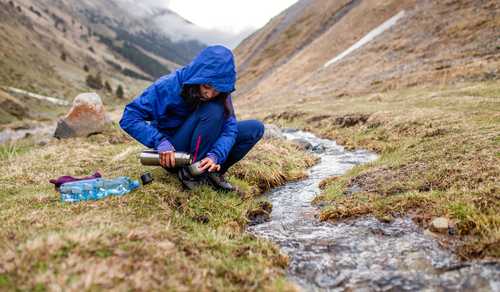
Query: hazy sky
224 22
233 16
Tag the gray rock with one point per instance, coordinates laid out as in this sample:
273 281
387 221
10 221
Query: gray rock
355 188
289 130
43 142
330 279
319 148
303 143
87 116
272 132
440 225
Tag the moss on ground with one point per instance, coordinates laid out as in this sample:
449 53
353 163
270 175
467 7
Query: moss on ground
439 156
158 237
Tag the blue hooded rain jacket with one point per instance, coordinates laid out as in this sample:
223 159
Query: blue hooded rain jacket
155 115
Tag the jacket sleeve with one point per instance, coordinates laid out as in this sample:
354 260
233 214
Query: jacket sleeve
137 116
226 140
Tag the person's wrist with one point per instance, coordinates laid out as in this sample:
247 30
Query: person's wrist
165 146
213 157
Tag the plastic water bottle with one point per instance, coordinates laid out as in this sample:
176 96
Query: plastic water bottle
96 189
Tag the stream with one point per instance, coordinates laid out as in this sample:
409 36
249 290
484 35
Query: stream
41 131
361 254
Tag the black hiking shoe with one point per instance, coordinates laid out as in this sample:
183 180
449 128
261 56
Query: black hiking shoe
191 182
219 182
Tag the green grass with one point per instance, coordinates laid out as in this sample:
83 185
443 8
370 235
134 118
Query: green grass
438 157
158 237
10 150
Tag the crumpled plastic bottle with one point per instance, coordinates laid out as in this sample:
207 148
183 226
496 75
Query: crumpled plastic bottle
96 189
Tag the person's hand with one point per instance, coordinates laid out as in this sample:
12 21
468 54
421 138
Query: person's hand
167 159
208 163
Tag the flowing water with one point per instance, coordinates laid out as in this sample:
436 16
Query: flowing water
10 135
362 254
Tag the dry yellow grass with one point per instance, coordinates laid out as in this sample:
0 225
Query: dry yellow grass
155 238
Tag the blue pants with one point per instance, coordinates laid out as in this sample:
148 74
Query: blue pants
207 122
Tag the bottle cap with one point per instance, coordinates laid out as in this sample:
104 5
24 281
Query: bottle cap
146 178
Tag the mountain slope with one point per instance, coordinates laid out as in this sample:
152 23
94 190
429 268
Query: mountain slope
285 35
50 47
155 29
434 42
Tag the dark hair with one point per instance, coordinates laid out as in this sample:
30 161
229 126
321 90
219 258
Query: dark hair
192 97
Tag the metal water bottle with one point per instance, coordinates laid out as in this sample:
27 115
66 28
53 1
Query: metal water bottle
152 158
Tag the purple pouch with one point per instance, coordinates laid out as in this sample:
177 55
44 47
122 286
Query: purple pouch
58 182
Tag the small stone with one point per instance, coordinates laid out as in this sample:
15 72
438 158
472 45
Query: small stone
387 218
330 279
266 206
440 225
303 143
202 219
289 130
319 148
272 132
258 216
43 142
353 189
86 117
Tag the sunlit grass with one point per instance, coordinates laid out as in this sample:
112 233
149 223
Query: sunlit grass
158 237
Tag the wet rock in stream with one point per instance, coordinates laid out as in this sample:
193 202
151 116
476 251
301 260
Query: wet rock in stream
303 144
260 214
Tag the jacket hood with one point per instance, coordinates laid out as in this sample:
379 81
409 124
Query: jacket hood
214 66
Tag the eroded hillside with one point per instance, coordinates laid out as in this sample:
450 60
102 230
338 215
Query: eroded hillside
435 42
51 47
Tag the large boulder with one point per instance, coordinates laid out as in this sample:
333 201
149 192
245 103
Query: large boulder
86 117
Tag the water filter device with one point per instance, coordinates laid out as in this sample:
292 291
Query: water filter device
152 158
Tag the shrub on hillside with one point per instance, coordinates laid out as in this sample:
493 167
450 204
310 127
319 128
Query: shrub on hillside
135 75
130 52
119 91
107 87
94 81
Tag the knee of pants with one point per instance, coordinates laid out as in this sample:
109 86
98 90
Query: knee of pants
257 129
211 110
